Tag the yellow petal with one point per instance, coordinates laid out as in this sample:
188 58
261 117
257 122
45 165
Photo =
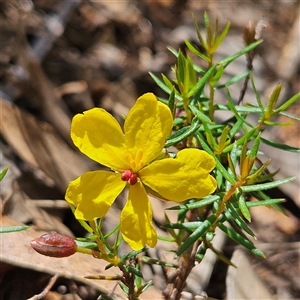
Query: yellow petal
136 219
98 135
146 127
93 193
186 176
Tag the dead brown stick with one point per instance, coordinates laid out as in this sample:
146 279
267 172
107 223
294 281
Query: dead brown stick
46 289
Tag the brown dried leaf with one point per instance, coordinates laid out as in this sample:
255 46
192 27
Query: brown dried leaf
38 145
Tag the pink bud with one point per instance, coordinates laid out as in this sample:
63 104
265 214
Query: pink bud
54 244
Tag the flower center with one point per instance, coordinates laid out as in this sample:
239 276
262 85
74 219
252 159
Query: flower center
136 163
130 177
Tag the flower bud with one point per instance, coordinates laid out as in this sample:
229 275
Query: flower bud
54 244
249 34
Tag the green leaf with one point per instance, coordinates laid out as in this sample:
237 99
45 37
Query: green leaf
146 286
111 232
201 253
187 225
217 76
244 208
104 277
192 72
124 287
255 148
219 166
134 271
233 80
194 50
273 123
205 122
280 146
170 230
196 234
178 121
3 173
221 37
241 240
206 19
268 202
215 33
273 100
181 216
289 115
181 66
167 82
163 87
266 186
240 109
166 101
138 279
104 297
166 239
234 155
187 79
171 103
232 166
88 238
131 254
200 84
182 134
82 222
200 115
259 102
233 214
261 174
287 104
173 51
82 244
244 162
242 140
218 177
237 126
234 110
260 195
199 70
8 229
201 40
152 261
262 178
227 60
197 204
223 137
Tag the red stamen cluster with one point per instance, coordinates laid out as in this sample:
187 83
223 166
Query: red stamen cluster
130 177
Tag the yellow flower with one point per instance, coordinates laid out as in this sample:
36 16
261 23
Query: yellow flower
131 155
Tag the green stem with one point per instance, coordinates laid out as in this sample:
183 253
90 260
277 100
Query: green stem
211 90
212 103
103 253
88 251
186 109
